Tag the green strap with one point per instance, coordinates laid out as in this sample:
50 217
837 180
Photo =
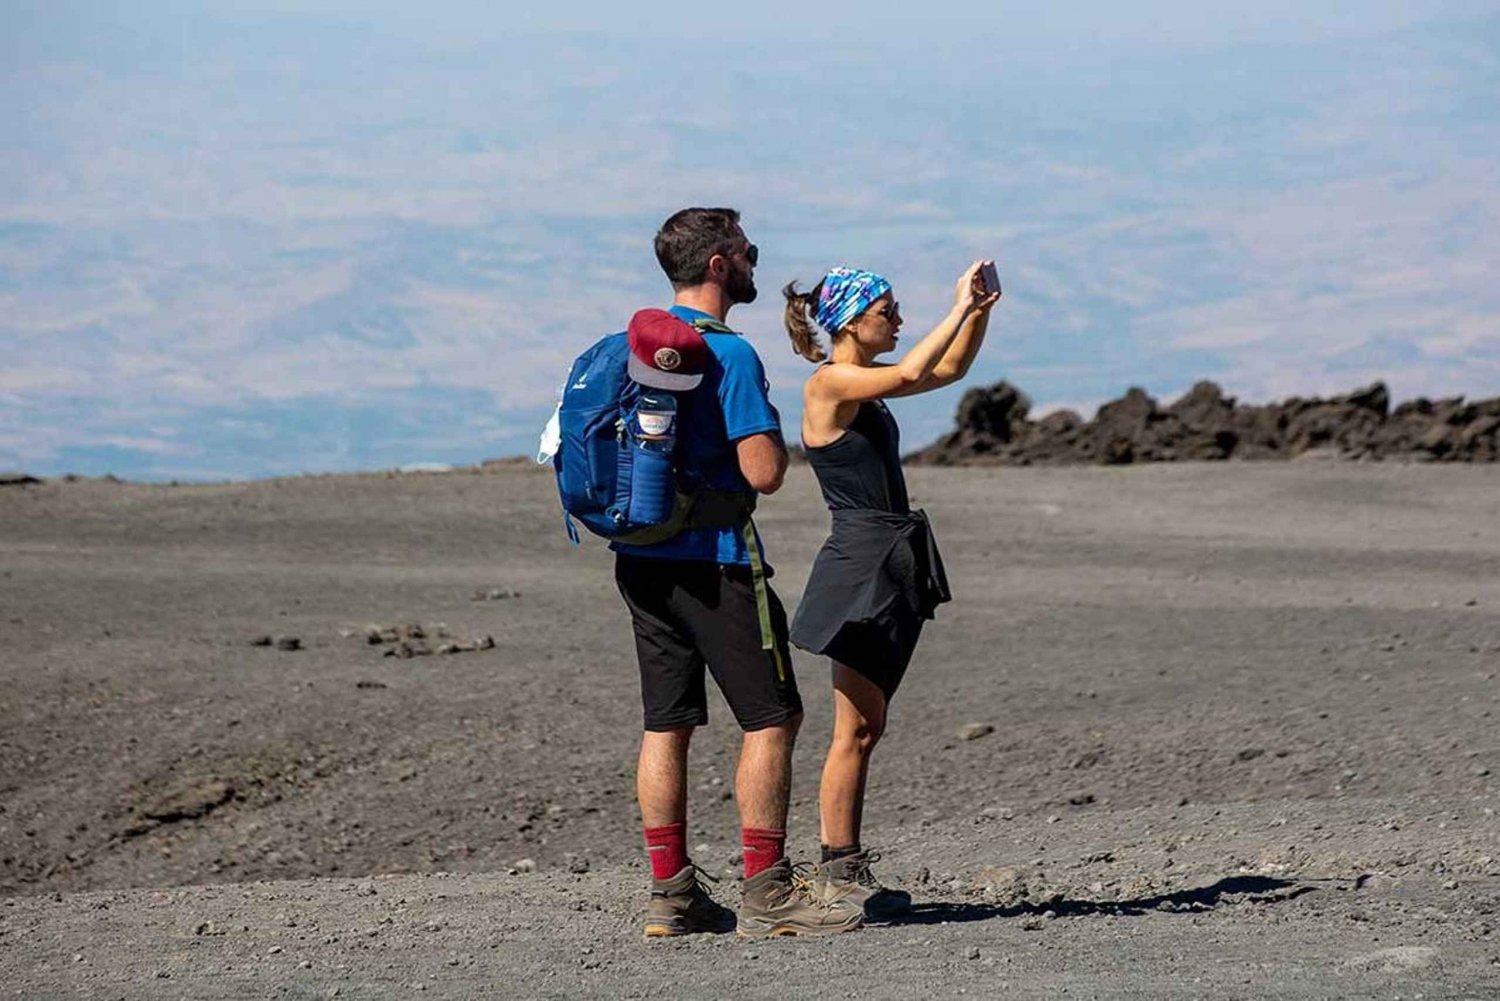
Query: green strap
710 325
762 598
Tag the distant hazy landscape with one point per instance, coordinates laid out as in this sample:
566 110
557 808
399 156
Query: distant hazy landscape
310 235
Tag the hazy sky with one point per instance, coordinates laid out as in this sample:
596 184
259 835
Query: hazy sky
311 236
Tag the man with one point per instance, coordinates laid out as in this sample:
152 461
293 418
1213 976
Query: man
700 599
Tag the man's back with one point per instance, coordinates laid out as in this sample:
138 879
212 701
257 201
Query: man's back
730 404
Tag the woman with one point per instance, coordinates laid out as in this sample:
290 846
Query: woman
878 577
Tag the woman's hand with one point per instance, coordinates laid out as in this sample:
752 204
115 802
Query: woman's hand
969 295
984 300
969 292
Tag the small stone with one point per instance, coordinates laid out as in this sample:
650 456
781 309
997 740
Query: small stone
524 865
289 643
973 731
578 865
972 952
306 964
1250 754
262 641
273 950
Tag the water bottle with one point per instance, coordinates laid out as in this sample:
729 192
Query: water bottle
653 436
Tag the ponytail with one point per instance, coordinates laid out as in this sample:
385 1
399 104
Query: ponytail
799 324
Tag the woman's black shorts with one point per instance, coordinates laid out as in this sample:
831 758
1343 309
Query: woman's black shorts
880 650
691 614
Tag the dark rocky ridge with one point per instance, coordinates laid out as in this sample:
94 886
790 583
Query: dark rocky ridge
994 428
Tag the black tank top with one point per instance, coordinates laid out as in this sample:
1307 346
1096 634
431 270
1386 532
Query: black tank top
862 467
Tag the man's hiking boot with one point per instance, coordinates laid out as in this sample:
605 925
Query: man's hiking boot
850 880
778 901
681 906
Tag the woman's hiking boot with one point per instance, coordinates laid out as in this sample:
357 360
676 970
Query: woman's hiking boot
778 901
849 879
682 905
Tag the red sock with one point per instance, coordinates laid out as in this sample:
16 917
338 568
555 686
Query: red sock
763 848
666 847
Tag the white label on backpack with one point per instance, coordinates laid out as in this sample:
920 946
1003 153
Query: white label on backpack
655 424
551 438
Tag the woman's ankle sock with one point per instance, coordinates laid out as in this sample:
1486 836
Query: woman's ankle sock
831 852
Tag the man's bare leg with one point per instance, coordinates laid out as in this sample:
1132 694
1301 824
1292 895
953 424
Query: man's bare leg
770 903
679 905
763 780
661 776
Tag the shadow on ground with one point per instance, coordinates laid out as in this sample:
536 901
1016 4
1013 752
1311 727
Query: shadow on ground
1232 890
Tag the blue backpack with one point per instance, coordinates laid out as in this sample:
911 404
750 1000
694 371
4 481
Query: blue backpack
601 465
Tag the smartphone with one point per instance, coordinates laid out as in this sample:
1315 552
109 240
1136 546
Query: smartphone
989 278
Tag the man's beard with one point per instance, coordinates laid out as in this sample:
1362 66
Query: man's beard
741 287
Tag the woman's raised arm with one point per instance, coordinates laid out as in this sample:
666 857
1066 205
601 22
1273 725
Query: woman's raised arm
955 363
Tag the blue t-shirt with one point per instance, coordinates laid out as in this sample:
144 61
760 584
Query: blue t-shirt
731 403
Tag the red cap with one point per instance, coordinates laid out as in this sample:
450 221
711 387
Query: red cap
665 352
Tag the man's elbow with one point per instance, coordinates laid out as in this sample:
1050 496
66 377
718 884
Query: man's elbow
768 479
763 462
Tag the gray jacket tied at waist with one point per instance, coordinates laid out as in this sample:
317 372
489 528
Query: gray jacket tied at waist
875 564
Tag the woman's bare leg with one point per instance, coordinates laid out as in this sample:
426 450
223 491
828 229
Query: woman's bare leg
858 722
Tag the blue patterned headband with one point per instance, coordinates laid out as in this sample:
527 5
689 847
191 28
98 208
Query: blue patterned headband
847 292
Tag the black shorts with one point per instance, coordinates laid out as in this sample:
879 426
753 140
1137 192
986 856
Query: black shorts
688 614
879 650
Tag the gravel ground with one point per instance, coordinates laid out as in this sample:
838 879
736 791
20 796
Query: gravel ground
1187 731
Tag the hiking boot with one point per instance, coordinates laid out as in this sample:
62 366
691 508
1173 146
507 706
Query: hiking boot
681 906
850 880
779 901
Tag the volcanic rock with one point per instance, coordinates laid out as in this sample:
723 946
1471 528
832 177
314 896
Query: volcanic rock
1204 425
